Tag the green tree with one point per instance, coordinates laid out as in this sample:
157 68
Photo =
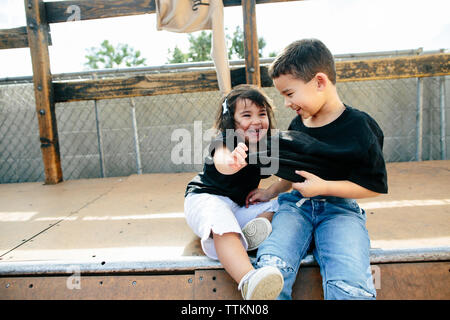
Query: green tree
177 56
236 47
108 56
200 47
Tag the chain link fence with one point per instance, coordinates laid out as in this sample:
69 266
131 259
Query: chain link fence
119 137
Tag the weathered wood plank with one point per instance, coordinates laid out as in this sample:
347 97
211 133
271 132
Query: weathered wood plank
62 11
170 83
37 30
142 85
251 52
16 38
429 65
78 286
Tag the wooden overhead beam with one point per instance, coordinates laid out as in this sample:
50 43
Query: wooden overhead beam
37 31
431 65
141 85
16 38
66 11
427 65
63 11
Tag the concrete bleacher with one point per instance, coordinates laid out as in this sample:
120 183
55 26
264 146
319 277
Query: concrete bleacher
126 238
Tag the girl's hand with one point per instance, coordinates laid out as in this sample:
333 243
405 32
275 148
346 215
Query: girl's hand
236 161
256 196
312 186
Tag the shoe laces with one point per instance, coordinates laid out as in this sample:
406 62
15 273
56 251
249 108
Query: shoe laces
245 278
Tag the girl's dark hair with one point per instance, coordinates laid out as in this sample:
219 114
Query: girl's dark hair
303 59
241 92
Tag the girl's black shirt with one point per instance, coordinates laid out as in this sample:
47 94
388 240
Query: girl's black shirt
235 186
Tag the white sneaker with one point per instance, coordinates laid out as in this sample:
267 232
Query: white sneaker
265 283
256 231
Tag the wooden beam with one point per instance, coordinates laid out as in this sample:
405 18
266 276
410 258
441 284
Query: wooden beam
431 65
142 85
37 30
427 65
16 38
251 51
63 11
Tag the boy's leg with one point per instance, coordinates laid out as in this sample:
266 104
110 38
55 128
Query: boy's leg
287 244
342 250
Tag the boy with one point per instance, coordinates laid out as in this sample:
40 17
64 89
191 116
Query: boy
321 210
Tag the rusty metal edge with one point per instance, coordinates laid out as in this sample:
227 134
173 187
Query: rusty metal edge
192 263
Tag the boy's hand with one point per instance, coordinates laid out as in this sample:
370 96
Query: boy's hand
256 196
312 186
237 157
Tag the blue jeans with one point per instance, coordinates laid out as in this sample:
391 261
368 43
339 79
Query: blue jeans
342 245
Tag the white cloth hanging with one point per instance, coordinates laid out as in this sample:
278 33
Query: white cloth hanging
187 16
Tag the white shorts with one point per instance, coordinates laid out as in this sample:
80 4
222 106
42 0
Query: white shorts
206 212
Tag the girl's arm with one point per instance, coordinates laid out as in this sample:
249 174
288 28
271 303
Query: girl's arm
229 162
314 186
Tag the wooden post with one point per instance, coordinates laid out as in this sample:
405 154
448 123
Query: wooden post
37 29
251 51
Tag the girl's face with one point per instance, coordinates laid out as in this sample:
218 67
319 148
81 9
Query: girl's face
251 120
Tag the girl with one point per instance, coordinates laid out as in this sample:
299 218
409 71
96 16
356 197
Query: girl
217 200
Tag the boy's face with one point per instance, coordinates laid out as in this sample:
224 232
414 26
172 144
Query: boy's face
303 98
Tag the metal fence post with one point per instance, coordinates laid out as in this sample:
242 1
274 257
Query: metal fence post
442 117
419 119
100 141
136 137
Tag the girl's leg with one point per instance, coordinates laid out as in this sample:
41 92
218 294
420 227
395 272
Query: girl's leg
232 255
261 284
255 222
268 215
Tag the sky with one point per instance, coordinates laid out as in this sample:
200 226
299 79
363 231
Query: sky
345 26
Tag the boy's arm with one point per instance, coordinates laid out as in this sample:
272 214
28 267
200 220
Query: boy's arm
229 162
314 186
262 195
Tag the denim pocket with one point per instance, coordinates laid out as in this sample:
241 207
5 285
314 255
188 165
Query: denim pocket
289 197
349 205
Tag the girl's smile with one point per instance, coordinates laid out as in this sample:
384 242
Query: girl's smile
251 119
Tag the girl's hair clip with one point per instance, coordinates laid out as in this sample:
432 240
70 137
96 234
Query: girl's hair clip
224 107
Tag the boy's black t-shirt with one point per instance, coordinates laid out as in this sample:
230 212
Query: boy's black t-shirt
351 145
235 186
349 148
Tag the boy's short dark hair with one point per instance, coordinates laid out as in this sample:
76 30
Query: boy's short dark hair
303 59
